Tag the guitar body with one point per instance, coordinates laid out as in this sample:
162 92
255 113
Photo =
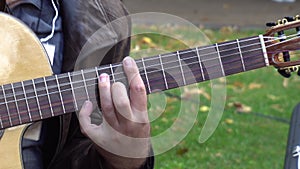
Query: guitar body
22 57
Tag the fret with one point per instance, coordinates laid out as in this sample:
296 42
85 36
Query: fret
172 70
16 102
163 70
91 84
240 52
221 64
264 50
200 64
252 53
97 73
85 86
7 107
72 89
20 101
180 65
112 73
1 123
79 88
190 66
48 96
27 105
60 95
31 100
65 93
231 57
37 99
146 75
154 74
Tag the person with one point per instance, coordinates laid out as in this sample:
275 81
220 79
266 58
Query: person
72 141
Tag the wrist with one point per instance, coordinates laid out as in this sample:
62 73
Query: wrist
113 161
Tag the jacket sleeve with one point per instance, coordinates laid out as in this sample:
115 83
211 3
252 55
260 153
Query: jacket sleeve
79 152
95 33
92 37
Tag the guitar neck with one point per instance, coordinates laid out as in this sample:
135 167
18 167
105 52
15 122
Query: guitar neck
38 99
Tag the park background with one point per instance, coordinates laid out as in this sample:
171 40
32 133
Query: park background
254 127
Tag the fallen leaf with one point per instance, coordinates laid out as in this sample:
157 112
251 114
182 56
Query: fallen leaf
187 93
254 86
204 108
277 107
238 84
229 130
272 97
218 154
182 151
148 41
229 121
241 108
228 29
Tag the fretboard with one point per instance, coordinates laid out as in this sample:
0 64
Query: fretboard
46 97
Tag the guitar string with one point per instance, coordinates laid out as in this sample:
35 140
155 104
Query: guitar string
167 63
115 74
192 57
70 89
42 108
92 84
195 50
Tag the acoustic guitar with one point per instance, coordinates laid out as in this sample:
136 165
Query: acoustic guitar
30 93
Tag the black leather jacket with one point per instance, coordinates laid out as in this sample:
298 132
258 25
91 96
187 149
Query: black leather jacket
64 145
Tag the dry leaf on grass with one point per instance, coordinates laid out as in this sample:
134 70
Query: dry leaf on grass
148 41
204 109
229 121
255 86
241 108
189 93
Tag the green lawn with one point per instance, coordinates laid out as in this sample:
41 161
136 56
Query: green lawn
255 138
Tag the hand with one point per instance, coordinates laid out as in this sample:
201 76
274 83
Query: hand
123 137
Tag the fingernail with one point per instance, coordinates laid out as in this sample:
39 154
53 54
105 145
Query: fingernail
85 104
104 78
128 62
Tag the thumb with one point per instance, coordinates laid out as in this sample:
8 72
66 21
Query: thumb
84 117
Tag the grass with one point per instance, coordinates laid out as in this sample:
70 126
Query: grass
255 138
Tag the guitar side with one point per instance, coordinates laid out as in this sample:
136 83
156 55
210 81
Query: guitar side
22 57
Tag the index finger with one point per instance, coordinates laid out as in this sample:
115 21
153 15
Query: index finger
137 92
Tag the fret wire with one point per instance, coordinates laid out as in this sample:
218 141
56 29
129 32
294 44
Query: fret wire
61 98
242 59
263 46
201 68
84 82
7 108
149 88
28 109
142 74
221 64
1 123
91 84
193 63
97 73
72 88
182 74
163 70
16 102
112 73
248 45
48 96
37 99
